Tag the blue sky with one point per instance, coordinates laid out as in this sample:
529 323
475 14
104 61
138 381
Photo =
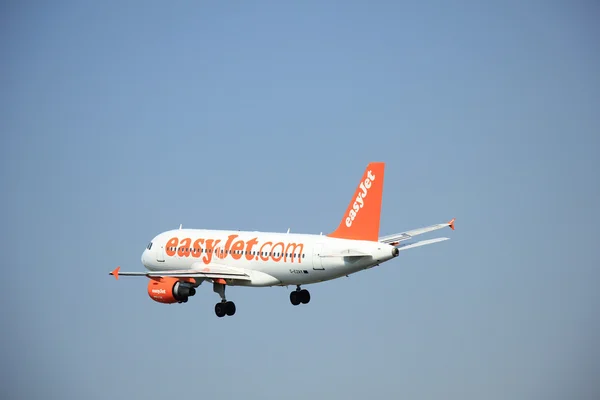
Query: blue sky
124 119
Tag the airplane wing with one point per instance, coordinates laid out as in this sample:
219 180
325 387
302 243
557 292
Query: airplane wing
197 271
396 238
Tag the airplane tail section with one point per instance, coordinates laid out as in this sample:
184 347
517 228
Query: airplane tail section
361 220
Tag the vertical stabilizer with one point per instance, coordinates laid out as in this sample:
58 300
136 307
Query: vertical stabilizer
361 220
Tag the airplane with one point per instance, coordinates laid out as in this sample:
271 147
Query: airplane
178 261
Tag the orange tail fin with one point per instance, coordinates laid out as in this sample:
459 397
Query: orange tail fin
361 220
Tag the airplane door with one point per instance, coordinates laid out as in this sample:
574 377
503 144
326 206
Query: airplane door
160 254
317 261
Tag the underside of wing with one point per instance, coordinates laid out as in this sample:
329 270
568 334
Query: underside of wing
396 238
206 272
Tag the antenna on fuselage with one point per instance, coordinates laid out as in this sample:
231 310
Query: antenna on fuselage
180 225
288 230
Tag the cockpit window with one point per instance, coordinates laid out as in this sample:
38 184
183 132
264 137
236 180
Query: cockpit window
149 246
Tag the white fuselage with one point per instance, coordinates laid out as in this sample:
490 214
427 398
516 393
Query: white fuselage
271 259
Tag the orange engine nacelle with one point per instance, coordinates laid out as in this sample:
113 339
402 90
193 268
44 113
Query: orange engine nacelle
171 290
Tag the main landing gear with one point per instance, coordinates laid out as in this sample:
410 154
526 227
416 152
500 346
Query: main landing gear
299 296
224 307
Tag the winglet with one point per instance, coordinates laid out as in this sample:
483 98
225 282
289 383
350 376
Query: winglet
115 272
451 223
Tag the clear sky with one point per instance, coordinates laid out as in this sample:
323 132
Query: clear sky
120 120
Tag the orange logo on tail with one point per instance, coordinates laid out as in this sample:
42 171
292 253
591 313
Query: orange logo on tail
360 198
361 220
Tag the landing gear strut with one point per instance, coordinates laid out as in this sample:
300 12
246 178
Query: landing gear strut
299 296
224 307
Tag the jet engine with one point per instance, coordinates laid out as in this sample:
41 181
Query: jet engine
171 290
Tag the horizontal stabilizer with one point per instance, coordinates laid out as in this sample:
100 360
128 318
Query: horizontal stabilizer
400 237
407 246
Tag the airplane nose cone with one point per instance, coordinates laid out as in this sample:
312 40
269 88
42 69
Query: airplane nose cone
144 257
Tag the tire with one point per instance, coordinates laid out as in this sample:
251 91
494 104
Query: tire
304 296
220 310
295 298
230 308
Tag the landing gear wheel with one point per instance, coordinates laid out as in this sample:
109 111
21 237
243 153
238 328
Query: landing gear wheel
230 308
304 296
295 298
220 309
